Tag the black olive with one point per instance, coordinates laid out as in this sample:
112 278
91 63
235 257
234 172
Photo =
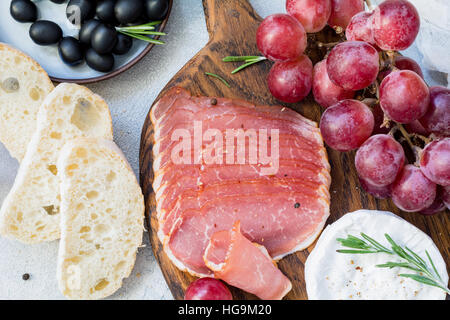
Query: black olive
128 11
86 31
78 11
99 62
23 10
71 51
105 11
45 32
156 9
103 38
58 1
123 44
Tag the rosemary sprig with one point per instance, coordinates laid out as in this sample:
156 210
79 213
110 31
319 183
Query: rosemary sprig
143 31
218 77
413 261
248 61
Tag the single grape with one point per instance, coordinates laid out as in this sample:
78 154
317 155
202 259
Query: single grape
326 93
435 161
412 191
207 289
437 117
353 65
342 11
404 96
346 125
360 28
281 37
377 192
395 25
405 63
379 160
446 196
438 204
378 117
312 14
402 63
290 81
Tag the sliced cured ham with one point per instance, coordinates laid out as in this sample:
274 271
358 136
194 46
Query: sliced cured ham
196 201
245 265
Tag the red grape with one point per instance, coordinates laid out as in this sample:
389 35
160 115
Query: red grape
446 196
435 162
360 28
377 192
313 14
412 191
379 160
207 289
416 127
346 125
281 37
326 93
395 25
290 81
378 116
343 10
404 96
437 117
403 63
353 65
437 205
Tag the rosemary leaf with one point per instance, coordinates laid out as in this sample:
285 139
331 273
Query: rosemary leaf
240 58
218 77
248 61
144 38
420 279
391 265
432 264
355 251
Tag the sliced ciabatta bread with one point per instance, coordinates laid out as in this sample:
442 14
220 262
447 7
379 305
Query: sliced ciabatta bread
23 87
30 212
102 214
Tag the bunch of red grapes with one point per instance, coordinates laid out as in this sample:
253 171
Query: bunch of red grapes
367 61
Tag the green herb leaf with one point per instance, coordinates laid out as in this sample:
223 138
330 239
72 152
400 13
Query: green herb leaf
141 31
248 61
413 261
218 77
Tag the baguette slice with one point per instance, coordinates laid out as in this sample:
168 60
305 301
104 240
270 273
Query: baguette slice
102 214
30 212
23 87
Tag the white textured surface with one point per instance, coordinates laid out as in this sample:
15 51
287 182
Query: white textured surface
129 96
331 275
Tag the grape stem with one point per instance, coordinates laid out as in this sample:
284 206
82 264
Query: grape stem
327 45
406 135
369 4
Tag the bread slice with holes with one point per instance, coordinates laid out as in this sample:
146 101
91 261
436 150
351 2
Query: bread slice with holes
102 216
23 87
30 212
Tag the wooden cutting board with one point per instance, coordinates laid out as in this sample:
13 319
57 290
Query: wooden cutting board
232 26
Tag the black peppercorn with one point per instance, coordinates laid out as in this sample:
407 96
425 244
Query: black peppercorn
26 276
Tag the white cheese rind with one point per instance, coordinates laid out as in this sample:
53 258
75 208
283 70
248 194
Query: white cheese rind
331 275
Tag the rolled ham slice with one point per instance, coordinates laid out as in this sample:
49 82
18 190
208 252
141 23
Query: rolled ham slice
245 265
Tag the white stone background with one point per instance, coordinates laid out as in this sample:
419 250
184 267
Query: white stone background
129 96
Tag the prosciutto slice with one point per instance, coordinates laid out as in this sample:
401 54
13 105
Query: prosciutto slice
245 265
199 202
